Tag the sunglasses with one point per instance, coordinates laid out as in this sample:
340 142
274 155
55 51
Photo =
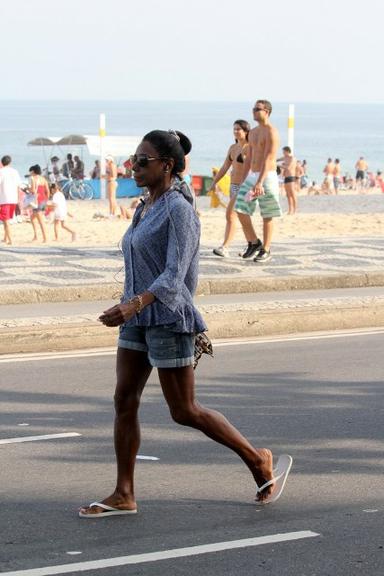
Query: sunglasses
142 160
259 109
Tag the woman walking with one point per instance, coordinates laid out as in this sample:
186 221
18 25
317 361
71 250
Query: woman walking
158 323
235 160
40 189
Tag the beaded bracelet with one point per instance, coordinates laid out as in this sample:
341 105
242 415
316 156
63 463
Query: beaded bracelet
138 302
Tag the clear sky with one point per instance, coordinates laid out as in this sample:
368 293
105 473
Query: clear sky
293 50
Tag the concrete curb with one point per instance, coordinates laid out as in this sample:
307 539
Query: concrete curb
207 286
230 321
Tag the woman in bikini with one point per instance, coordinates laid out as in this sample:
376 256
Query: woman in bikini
40 188
235 160
111 174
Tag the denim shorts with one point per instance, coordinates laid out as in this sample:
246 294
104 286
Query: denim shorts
40 208
165 348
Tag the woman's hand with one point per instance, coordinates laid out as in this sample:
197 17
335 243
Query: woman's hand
118 314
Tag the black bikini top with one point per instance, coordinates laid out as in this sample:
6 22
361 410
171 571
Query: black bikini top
239 159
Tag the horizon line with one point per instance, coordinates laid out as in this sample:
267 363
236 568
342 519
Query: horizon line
163 100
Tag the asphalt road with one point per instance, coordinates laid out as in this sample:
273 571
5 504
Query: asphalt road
318 399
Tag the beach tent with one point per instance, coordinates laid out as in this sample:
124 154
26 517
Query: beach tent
72 140
115 145
42 141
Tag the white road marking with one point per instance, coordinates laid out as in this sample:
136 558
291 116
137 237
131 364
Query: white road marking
38 438
140 457
305 337
54 436
162 555
37 357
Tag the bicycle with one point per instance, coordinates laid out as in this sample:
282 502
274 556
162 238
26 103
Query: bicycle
77 189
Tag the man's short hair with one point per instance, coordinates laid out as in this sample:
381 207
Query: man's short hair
287 149
267 105
6 160
337 161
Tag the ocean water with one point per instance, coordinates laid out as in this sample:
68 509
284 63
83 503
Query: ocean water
345 131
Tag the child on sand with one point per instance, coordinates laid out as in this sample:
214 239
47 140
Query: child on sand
60 211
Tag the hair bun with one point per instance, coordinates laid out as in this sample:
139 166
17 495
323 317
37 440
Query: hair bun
185 142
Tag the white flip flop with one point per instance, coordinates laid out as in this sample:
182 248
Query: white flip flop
283 467
109 511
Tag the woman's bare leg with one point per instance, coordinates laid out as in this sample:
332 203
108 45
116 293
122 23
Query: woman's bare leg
178 390
34 226
112 187
231 217
39 216
132 370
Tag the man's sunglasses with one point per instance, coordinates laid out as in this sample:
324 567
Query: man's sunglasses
142 159
259 109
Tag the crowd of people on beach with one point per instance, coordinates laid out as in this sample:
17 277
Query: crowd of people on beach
264 179
39 201
43 199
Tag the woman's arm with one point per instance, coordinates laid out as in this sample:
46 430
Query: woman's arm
183 243
120 313
32 185
223 170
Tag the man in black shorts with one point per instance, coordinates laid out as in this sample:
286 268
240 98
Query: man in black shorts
289 163
361 170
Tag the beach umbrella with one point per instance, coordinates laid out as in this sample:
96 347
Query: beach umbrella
41 141
72 140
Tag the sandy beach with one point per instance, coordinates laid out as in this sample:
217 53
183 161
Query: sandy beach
347 214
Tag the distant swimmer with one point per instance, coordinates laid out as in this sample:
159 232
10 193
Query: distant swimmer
260 184
289 165
328 183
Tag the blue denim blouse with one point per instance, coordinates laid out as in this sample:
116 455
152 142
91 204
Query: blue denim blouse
161 255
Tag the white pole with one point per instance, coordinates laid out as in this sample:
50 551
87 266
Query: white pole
102 157
291 126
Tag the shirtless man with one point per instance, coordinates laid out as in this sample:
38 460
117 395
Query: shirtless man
289 164
260 184
329 170
337 175
361 170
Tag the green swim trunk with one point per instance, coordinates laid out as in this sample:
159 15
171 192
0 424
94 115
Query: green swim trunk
269 202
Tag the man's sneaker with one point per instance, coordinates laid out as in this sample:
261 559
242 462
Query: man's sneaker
263 256
221 251
251 249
